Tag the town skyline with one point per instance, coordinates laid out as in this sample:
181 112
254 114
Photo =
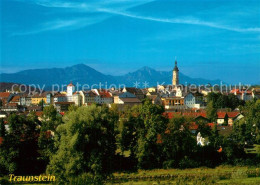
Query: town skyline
217 40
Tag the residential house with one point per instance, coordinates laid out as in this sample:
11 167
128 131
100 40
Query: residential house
15 99
152 89
77 99
153 93
197 116
232 116
50 98
4 97
129 101
137 92
126 99
90 97
173 102
222 118
10 107
256 93
193 100
178 92
34 108
62 106
25 100
103 97
38 98
156 99
59 98
243 94
117 96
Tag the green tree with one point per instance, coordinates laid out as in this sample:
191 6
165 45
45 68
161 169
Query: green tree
177 142
72 108
139 128
51 119
19 151
203 128
2 128
85 144
211 111
213 97
233 101
49 113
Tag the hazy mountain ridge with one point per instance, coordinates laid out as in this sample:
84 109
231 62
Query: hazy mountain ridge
84 74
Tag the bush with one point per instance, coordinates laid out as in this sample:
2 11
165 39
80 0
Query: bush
168 164
188 163
4 181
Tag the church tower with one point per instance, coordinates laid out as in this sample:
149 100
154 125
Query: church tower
70 89
175 75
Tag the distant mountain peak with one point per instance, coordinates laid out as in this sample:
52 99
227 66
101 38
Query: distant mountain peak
83 74
146 68
79 65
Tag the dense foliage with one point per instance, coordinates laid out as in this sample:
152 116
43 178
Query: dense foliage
91 142
224 101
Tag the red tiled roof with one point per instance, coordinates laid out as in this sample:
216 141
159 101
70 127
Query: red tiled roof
1 140
104 94
211 125
71 84
189 114
62 113
195 114
39 113
4 94
15 99
238 91
171 115
235 91
221 114
232 114
193 126
12 104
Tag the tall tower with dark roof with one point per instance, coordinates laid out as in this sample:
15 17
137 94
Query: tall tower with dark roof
175 75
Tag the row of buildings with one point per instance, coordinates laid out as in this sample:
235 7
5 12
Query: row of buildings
172 97
11 101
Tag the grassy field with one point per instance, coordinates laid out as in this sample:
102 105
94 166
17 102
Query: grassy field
219 175
253 181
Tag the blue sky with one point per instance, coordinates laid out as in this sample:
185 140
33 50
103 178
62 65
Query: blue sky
211 39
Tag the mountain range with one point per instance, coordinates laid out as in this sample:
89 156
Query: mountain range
84 74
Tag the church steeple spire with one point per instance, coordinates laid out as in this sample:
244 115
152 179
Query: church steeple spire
175 74
175 67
